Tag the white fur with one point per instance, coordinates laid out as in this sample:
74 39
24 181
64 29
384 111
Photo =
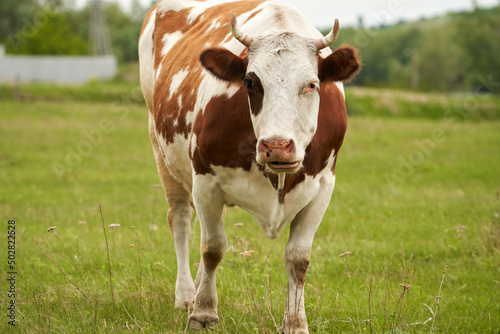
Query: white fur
146 61
169 41
177 80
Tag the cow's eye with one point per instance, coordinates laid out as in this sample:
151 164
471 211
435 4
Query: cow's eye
312 86
249 84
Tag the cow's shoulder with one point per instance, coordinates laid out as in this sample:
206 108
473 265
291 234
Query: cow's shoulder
224 134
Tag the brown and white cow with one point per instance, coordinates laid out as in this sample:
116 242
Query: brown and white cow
251 115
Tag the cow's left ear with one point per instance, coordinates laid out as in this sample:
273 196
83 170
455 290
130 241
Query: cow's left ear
224 64
342 65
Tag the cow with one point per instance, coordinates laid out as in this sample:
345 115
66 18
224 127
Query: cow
246 107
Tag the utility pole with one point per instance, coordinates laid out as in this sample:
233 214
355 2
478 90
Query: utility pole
99 35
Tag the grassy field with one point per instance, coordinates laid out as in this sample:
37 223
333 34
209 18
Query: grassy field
416 194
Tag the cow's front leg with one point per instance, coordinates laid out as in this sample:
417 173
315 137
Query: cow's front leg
297 253
209 206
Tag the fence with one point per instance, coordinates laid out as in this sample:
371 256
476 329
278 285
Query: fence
56 69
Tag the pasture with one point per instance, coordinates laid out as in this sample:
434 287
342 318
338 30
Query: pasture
416 194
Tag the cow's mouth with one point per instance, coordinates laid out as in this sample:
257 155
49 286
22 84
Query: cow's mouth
280 166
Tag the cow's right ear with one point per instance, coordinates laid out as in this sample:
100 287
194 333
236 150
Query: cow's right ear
224 64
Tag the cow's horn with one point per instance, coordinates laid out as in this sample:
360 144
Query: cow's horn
238 34
328 40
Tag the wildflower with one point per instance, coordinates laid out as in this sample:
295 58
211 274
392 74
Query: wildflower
247 253
113 225
82 223
405 286
51 228
238 224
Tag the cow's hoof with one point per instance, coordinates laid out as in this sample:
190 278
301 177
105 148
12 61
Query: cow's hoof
185 305
203 321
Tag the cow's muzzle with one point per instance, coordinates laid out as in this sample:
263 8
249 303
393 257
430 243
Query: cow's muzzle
278 155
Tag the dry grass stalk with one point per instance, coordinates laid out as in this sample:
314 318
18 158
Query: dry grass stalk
38 312
135 322
140 267
370 306
69 256
256 306
109 261
438 298
387 288
269 293
357 314
346 261
60 269
95 317
402 296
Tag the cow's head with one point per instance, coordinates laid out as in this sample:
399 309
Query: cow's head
283 74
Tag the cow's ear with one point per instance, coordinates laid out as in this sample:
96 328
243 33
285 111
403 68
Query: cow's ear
224 64
342 65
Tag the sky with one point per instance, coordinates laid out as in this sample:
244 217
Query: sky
322 13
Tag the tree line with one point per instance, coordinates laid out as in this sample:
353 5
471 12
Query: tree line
454 52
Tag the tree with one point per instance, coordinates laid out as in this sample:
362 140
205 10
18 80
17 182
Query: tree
13 16
441 61
52 36
477 34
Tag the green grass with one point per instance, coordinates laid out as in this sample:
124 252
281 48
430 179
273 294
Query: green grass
380 102
413 194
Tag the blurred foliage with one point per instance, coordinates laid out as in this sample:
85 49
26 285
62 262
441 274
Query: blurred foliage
58 27
54 35
457 51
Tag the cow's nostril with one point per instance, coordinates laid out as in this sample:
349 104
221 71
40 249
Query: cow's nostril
267 154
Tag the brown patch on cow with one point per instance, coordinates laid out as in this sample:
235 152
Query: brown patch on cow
332 125
342 65
255 92
200 166
224 134
212 253
169 114
170 221
299 270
